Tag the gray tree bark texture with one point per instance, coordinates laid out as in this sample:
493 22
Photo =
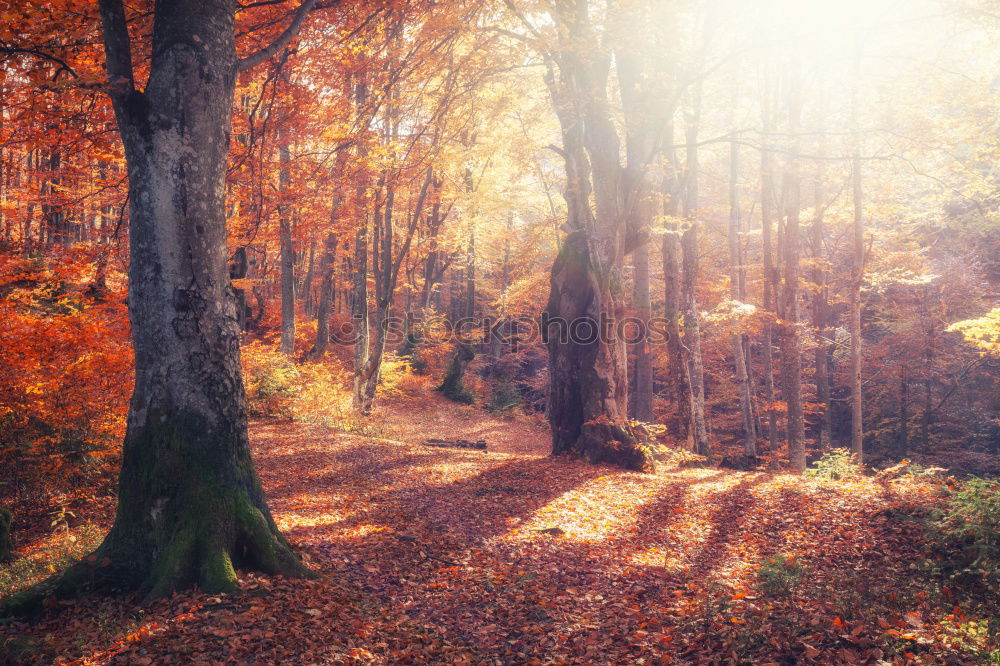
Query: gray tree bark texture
190 505
588 374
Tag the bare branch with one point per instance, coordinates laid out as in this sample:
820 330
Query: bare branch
286 36
63 65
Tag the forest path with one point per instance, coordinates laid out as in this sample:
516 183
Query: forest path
432 555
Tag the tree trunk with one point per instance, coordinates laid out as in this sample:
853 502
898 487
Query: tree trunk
824 434
588 366
671 249
903 437
857 275
327 261
737 292
359 313
287 253
190 506
770 278
791 343
642 402
6 544
689 250
307 282
465 351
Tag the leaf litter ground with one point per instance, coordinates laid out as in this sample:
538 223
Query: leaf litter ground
431 555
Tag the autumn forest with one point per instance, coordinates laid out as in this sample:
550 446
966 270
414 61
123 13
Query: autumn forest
499 331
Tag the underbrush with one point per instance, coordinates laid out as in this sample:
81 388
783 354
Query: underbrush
778 576
835 465
63 548
315 392
965 534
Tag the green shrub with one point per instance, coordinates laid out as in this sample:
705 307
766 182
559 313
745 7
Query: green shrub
504 397
835 465
779 575
458 392
966 533
272 380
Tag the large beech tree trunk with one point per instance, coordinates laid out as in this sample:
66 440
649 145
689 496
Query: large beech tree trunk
190 506
588 365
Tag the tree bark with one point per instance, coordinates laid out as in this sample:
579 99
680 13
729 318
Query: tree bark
307 281
824 433
6 544
190 506
791 342
857 276
327 261
671 249
287 252
737 291
770 272
588 370
689 251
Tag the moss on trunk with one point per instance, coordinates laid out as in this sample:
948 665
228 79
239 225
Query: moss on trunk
452 385
6 543
191 512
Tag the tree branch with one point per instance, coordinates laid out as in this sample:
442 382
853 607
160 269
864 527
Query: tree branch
117 49
63 65
255 59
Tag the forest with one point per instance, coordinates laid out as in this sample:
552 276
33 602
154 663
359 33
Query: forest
500 332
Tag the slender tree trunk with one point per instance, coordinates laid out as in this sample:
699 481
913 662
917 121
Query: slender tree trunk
857 276
903 438
307 282
644 117
470 276
287 253
327 261
928 371
677 357
359 313
689 249
824 433
737 291
791 342
770 272
642 402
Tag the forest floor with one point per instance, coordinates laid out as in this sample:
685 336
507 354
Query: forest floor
434 555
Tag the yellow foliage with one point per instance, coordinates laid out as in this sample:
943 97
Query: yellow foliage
982 332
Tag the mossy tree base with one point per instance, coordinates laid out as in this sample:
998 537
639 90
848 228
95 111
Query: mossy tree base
588 380
186 516
613 444
452 386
